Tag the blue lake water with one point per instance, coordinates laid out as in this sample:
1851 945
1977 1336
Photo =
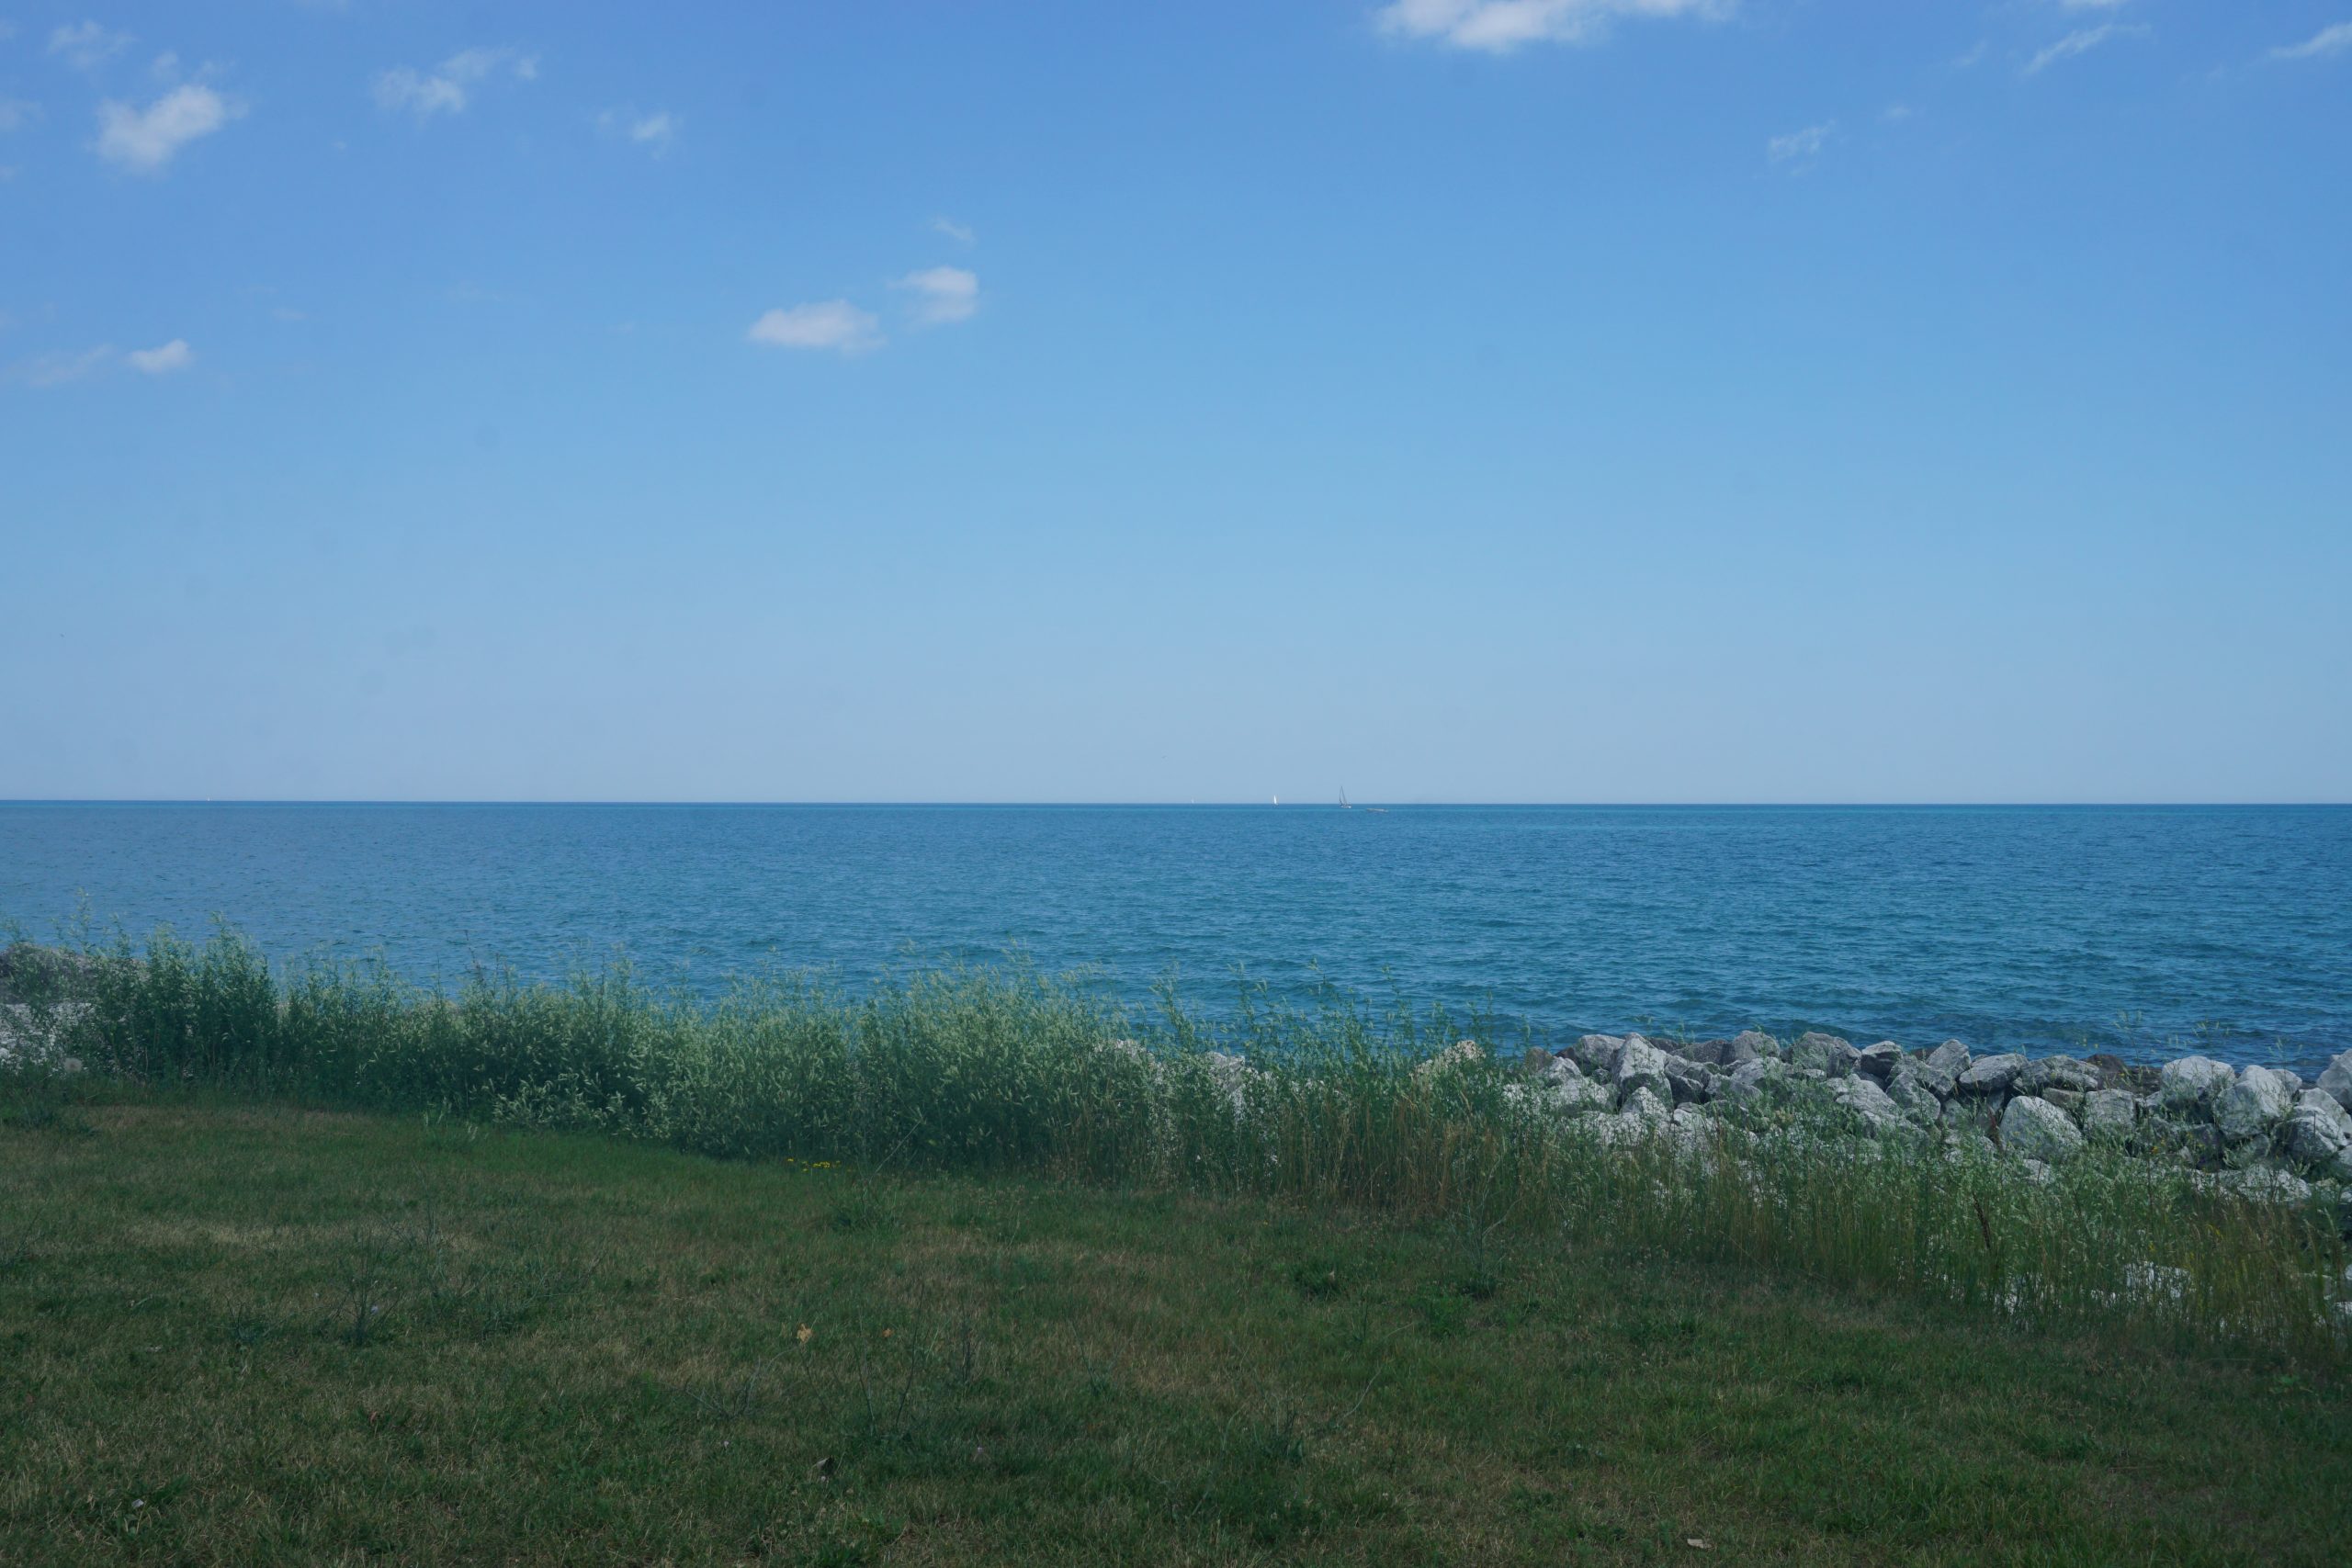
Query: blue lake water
2149 931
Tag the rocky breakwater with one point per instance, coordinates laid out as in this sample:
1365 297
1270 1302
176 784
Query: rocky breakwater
2261 1131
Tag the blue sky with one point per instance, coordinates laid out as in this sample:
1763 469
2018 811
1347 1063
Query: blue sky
1559 400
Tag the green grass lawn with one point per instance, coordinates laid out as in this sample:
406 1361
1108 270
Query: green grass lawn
240 1335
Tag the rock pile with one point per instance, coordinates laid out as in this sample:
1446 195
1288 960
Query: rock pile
2262 1130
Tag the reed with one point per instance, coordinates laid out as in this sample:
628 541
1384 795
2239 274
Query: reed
1331 1102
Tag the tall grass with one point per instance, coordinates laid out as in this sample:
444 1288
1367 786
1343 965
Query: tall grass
1334 1104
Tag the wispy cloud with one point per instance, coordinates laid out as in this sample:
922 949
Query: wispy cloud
162 361
834 324
1498 27
450 87
959 232
58 368
145 140
653 132
2079 42
1800 147
942 294
2321 45
17 112
86 46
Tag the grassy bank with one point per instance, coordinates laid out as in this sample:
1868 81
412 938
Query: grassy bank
247 1332
1334 1109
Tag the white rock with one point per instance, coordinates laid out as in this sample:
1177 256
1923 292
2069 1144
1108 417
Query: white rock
1642 1066
2035 1129
2110 1114
2257 1101
2337 1080
1461 1053
2188 1083
1823 1053
1952 1058
1992 1075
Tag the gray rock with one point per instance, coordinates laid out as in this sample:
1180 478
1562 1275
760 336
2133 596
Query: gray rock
2035 1129
2057 1072
1878 1061
1598 1053
1642 1066
1912 1092
2336 1081
2189 1085
2110 1115
1991 1075
2320 1103
1689 1079
1642 1105
1825 1053
1950 1058
1461 1053
1748 1081
1748 1046
2312 1136
1863 1097
2267 1186
2249 1108
2069 1101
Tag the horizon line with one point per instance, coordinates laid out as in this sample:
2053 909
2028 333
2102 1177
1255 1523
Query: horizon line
1244 805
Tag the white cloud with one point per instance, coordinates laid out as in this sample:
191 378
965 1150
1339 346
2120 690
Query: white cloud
57 369
450 87
2081 42
2327 41
653 132
1498 27
1895 114
86 46
833 324
143 141
942 294
1801 146
959 232
173 356
2093 5
15 112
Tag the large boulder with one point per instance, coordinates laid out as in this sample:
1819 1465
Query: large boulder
2256 1102
1691 1082
1598 1053
1568 1089
2313 1136
1461 1053
1866 1100
1747 1081
1913 1092
2189 1085
2057 1072
1878 1061
1950 1058
2110 1115
1991 1075
1642 1066
2035 1129
1748 1046
2336 1080
1823 1053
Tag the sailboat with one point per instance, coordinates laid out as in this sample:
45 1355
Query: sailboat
1343 799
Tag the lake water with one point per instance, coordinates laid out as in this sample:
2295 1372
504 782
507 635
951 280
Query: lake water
2149 931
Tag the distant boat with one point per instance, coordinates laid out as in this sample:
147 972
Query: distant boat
1278 800
1343 799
